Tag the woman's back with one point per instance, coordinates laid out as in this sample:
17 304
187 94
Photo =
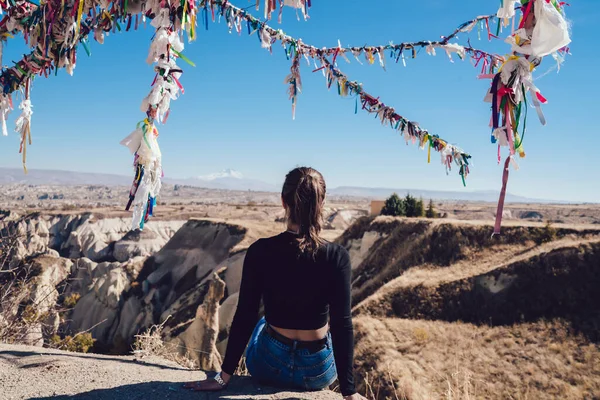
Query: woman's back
299 291
297 288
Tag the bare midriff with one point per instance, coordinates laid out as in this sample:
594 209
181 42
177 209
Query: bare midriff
303 335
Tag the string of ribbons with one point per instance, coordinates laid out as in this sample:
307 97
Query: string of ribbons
542 31
54 29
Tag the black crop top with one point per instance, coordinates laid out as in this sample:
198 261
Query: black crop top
297 293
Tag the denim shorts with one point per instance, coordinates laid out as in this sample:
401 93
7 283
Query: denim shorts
274 363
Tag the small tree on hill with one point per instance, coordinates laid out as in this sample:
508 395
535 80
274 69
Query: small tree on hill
431 213
394 206
419 208
410 205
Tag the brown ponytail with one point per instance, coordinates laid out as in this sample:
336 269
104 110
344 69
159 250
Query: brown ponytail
304 194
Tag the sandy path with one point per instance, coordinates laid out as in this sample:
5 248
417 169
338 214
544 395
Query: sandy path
37 373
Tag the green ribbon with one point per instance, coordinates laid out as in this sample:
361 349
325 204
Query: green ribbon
524 120
86 47
184 58
144 136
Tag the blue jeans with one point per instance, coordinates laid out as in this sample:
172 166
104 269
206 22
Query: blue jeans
274 363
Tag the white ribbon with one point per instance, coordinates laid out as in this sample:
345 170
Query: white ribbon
507 9
5 108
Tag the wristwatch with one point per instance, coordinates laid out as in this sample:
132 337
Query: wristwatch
220 380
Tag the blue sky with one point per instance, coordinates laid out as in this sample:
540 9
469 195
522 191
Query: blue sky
236 114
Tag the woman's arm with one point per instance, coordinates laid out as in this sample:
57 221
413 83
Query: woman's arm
246 314
340 320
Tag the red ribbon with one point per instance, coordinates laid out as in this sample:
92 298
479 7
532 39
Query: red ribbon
526 13
505 90
541 98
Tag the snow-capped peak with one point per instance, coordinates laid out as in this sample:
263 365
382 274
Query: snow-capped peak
227 173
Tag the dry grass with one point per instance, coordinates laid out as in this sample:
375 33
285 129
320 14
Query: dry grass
71 300
464 247
461 361
150 344
460 385
80 343
429 278
242 369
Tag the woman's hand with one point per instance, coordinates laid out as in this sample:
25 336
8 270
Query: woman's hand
208 385
355 396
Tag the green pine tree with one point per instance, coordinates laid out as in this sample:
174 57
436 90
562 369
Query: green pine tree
394 206
419 208
410 205
431 213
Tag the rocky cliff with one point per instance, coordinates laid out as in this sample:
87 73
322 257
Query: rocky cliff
83 235
182 276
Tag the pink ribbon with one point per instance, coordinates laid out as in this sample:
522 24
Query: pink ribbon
500 209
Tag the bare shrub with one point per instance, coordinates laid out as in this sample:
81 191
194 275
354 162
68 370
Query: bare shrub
17 319
21 320
151 344
26 316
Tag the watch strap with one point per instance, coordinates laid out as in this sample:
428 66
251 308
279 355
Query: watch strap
220 380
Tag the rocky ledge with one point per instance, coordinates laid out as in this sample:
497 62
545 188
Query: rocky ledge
36 373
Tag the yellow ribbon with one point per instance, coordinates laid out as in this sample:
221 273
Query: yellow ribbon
428 153
79 13
510 58
370 57
343 87
192 25
426 140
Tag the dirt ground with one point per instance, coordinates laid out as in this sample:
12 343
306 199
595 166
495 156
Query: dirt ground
38 373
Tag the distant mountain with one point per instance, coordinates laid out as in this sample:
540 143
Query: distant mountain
234 180
481 195
227 173
55 177
226 183
227 180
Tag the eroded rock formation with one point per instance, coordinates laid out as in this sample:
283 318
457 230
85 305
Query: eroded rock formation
124 283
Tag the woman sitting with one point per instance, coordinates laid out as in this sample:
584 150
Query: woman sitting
306 339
